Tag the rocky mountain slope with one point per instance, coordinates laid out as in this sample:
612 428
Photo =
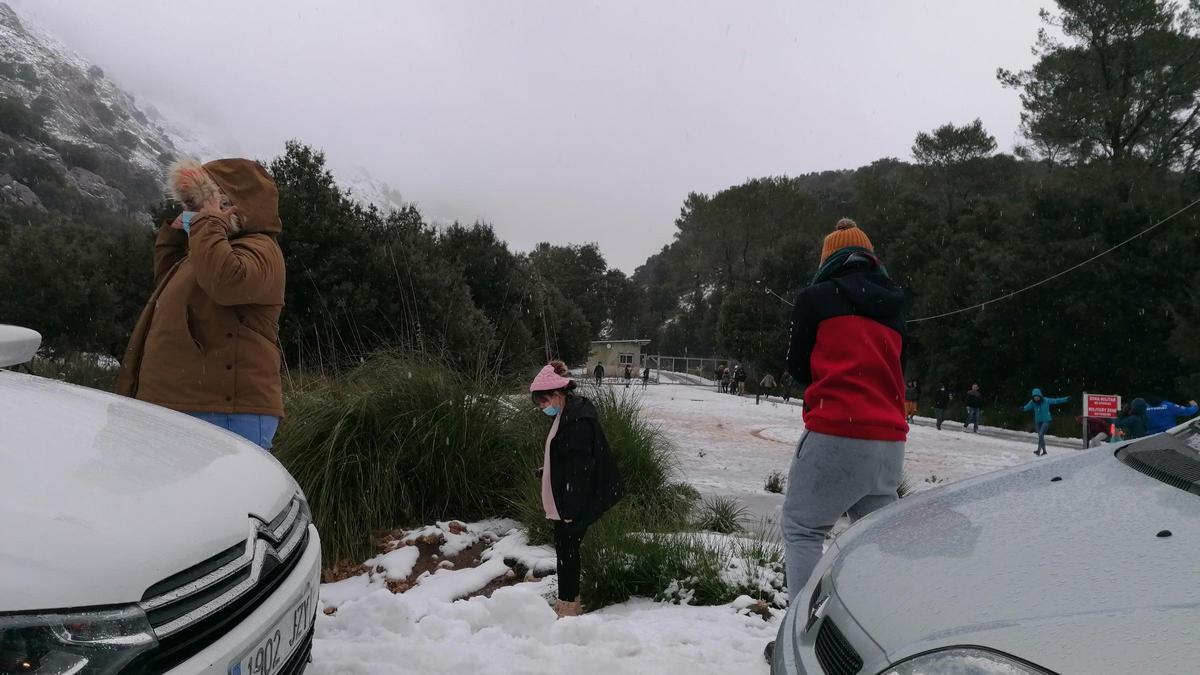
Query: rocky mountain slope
71 139
69 135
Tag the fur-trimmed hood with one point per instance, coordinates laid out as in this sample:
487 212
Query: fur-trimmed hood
241 182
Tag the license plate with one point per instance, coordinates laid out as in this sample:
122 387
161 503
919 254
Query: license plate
277 645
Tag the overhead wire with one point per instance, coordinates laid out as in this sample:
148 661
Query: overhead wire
1056 275
1034 285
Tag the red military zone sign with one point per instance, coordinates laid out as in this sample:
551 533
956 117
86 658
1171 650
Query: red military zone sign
1101 405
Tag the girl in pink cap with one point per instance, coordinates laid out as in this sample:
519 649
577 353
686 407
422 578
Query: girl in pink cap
580 480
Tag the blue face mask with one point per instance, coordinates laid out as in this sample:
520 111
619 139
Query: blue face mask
186 219
550 411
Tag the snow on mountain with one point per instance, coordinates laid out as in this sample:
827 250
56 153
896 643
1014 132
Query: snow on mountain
365 189
80 107
79 104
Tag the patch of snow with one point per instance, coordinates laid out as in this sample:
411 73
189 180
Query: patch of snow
515 548
515 631
447 585
348 590
397 564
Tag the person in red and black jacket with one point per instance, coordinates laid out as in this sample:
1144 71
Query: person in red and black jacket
848 344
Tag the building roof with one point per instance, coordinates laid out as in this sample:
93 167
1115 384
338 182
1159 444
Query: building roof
610 342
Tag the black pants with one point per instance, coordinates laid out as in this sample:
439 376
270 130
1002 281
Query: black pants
568 537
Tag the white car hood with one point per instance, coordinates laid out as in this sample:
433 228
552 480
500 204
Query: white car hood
1062 573
102 496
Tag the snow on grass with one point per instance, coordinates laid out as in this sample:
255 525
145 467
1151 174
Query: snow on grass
515 549
397 564
726 445
430 628
457 537
748 562
515 631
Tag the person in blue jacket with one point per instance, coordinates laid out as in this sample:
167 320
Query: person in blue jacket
1040 405
1161 414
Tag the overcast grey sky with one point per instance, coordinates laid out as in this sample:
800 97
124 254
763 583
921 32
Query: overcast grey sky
565 121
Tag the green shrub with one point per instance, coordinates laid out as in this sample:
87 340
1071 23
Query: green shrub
623 556
402 440
87 370
776 481
722 514
16 119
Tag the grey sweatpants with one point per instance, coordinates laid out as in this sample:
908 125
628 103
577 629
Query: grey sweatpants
831 475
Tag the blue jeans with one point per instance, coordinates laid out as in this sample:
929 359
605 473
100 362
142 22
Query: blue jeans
258 429
972 418
1041 431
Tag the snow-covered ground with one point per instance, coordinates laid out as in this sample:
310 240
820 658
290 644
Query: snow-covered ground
362 627
726 445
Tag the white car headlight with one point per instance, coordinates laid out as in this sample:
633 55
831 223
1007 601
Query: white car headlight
100 642
963 661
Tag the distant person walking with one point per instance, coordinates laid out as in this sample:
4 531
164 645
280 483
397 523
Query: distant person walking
941 400
739 377
1162 414
766 387
785 382
910 401
599 373
1133 422
974 401
580 478
1040 405
848 340
726 380
207 341
645 376
628 375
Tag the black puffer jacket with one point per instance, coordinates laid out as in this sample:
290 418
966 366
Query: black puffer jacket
941 399
583 473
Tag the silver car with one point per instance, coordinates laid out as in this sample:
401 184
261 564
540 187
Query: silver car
1085 563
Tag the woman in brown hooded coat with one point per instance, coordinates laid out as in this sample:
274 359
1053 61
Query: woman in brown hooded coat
207 341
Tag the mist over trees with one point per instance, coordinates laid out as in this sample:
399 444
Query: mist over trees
1111 127
1111 119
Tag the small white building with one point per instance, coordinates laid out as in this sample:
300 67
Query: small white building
614 355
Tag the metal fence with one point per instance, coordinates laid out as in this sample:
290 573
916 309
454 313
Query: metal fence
684 369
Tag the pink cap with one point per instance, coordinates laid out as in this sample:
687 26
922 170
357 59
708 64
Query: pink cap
548 380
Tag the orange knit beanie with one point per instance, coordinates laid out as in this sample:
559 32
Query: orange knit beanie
845 233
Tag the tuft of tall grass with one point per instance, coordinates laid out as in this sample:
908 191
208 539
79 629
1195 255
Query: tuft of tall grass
624 556
722 514
403 439
776 482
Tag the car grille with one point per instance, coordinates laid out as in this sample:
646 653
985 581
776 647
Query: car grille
192 609
834 652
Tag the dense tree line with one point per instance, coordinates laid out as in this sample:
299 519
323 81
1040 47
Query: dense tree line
359 280
1112 126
